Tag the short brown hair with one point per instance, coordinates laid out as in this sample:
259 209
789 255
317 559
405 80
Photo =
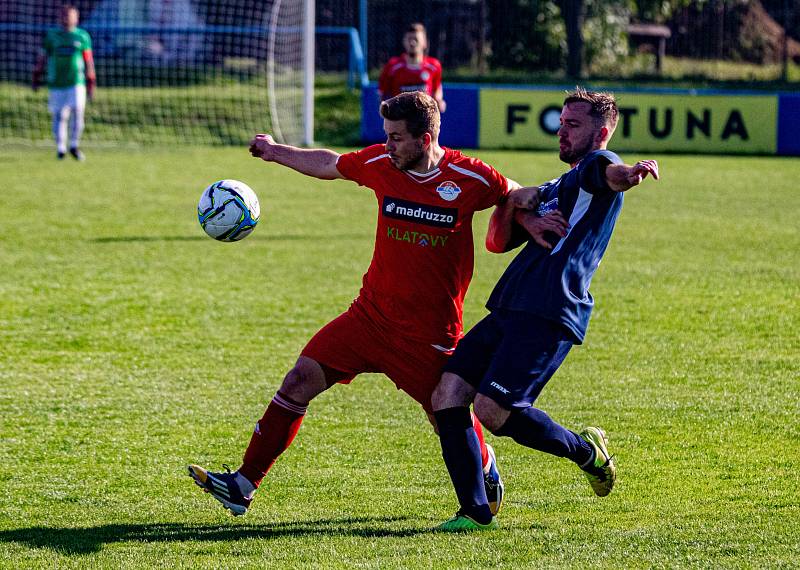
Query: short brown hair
603 105
419 110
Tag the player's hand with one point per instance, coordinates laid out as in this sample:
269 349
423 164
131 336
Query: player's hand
262 146
442 105
640 170
526 198
538 226
90 90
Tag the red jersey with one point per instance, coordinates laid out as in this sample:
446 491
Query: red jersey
423 258
399 76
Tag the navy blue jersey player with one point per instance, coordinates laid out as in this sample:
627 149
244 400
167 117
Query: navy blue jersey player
539 309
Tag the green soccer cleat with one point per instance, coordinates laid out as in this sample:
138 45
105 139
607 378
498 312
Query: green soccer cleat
463 523
603 471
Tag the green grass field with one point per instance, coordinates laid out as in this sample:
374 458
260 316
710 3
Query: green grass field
221 113
131 345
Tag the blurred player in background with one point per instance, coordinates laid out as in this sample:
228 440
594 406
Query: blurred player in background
539 308
407 317
413 70
67 57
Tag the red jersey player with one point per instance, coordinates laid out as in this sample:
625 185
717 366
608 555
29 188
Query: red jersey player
413 70
407 317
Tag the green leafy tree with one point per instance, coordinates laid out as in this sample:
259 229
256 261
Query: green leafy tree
605 34
660 11
526 35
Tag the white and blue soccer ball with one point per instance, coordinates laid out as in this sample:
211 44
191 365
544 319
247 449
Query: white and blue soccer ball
228 210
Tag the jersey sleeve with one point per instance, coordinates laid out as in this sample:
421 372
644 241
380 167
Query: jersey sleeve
497 190
351 165
86 40
592 171
385 80
436 80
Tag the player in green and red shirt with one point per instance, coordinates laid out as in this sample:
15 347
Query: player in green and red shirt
67 56
407 318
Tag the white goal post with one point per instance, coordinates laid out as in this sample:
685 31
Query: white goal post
290 70
171 71
308 67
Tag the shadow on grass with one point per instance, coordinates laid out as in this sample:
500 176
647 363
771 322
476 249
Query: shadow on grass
123 239
87 540
282 237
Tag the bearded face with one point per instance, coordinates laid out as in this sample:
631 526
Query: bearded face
405 151
579 134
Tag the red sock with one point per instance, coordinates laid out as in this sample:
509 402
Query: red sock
479 430
273 435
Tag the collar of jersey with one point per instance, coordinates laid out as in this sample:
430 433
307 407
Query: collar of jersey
412 65
430 175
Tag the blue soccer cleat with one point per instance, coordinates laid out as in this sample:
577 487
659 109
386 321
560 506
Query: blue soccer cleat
223 487
493 483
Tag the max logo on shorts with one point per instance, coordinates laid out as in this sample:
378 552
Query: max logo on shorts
424 214
498 387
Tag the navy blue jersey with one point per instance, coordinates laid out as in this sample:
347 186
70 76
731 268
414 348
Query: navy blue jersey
554 284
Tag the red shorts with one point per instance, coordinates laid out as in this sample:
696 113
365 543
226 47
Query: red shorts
353 344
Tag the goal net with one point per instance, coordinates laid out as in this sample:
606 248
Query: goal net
170 71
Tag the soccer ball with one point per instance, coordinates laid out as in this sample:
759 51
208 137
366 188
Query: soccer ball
228 210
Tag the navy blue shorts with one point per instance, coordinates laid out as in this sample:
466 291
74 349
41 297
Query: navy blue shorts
509 356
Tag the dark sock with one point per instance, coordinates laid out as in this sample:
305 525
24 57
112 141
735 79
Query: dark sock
462 456
533 428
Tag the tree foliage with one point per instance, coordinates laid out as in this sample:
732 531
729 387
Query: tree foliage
532 35
526 34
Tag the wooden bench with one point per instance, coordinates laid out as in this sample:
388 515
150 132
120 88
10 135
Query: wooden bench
654 34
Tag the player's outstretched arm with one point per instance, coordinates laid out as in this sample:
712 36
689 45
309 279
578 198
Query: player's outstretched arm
317 162
621 177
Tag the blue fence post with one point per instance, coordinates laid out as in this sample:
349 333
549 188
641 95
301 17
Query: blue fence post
362 30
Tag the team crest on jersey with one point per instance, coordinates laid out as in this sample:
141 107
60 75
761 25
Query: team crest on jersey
448 190
424 75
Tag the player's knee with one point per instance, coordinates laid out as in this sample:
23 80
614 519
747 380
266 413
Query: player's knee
491 415
452 391
304 381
